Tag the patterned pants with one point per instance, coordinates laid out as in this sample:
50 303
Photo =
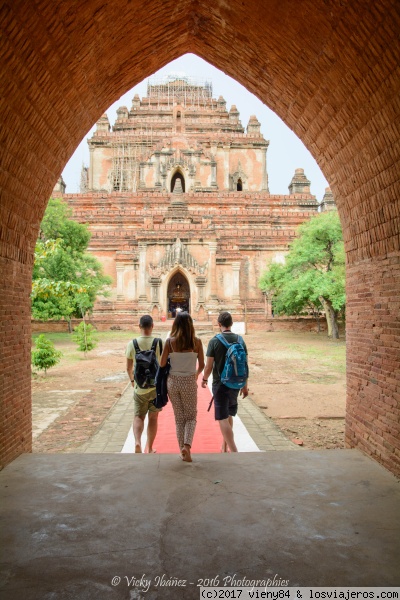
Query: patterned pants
182 392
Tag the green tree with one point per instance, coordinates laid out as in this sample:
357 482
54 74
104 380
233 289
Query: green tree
313 276
45 356
57 224
66 279
84 336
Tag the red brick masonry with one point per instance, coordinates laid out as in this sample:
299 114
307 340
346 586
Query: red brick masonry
329 70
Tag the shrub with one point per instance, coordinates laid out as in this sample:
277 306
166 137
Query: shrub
45 356
83 335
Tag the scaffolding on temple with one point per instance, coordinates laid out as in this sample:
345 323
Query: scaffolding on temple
84 183
180 88
129 150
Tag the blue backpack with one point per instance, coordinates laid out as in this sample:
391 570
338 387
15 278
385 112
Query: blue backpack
236 371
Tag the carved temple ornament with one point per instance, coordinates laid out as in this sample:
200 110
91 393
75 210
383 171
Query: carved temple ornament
178 255
177 158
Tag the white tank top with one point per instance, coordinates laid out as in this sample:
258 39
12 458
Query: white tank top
183 364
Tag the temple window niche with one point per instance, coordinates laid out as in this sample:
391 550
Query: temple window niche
239 179
174 179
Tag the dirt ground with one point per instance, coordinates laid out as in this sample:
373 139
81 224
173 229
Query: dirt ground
297 379
71 401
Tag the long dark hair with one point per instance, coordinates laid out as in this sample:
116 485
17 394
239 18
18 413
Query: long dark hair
183 332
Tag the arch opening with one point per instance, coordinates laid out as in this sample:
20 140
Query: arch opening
332 133
178 294
177 176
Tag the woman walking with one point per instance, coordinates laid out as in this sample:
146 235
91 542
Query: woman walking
186 355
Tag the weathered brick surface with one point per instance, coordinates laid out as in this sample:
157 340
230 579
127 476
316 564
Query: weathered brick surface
253 229
373 359
15 347
330 70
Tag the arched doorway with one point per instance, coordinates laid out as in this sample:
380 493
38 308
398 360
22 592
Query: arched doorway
178 295
178 175
323 102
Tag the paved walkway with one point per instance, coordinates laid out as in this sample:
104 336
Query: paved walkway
86 526
116 431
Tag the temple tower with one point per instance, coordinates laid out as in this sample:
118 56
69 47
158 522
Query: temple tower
179 207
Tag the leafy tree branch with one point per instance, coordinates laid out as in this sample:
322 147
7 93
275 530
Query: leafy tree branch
313 274
65 277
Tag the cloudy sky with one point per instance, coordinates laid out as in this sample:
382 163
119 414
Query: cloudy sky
285 153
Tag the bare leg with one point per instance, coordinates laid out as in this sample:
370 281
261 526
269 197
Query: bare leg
224 447
185 453
151 431
138 424
227 433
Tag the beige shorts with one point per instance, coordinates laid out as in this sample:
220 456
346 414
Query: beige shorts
143 403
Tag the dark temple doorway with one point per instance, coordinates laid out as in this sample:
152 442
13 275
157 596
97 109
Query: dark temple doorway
174 180
178 295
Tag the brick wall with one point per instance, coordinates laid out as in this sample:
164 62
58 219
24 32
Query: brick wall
15 349
329 70
373 360
129 324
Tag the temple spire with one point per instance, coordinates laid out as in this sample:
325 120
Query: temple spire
299 184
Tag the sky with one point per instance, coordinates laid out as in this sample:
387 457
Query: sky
285 153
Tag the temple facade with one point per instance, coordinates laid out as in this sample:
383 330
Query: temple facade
177 200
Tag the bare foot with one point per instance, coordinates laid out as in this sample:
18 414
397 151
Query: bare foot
185 454
148 451
138 449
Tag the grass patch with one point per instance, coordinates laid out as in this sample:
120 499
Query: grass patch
102 336
70 354
335 350
304 352
73 356
316 377
116 335
283 354
54 336
112 341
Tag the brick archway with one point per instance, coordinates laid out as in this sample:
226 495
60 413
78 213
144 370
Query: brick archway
328 69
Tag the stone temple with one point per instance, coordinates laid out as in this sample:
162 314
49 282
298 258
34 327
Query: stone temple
177 198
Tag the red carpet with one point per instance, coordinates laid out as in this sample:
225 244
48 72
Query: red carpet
207 437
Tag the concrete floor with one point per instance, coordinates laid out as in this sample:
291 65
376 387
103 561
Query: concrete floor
70 523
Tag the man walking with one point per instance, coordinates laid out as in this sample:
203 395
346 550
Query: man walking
143 397
225 398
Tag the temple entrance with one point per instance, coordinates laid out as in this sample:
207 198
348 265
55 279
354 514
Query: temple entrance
178 295
177 175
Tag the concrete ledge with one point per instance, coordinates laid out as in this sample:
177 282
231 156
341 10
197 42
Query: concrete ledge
73 522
